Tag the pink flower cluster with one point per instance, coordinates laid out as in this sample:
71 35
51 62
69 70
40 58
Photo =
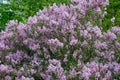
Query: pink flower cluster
61 43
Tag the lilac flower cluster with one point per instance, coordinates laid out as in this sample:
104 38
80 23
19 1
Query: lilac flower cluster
61 43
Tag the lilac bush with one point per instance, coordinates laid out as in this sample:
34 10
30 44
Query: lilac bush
61 43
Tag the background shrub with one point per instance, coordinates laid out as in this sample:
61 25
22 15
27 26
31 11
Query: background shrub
113 10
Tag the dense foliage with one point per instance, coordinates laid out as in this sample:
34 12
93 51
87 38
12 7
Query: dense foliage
113 11
61 43
21 9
